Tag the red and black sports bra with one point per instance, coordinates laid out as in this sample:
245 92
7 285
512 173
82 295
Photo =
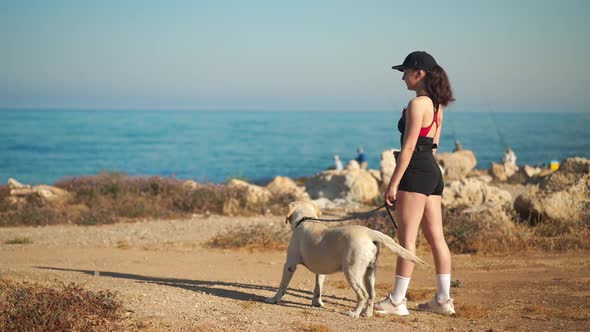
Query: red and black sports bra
401 125
423 130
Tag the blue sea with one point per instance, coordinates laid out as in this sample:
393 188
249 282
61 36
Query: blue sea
43 146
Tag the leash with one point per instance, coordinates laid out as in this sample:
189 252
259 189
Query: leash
352 217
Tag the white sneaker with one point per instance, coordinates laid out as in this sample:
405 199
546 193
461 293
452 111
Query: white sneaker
444 308
387 307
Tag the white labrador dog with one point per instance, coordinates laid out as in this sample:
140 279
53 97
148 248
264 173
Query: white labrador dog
351 249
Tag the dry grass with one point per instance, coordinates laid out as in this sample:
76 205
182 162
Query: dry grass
31 307
560 235
249 305
471 311
123 244
259 237
204 328
311 327
379 221
484 232
114 197
19 240
465 233
481 233
34 211
539 312
340 284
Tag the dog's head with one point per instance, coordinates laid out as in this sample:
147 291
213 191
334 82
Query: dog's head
300 209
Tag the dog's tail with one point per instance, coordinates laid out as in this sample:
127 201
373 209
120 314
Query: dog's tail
396 248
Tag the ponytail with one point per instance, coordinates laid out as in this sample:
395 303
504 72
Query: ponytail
439 87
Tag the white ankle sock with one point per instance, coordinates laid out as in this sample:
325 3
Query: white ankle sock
443 285
400 288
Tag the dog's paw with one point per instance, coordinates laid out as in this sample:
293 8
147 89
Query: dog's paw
317 303
367 313
352 314
272 300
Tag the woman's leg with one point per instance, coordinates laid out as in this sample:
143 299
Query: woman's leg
432 228
433 231
409 211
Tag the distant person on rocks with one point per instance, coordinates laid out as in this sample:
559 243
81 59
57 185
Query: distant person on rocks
458 146
338 163
417 185
509 156
362 158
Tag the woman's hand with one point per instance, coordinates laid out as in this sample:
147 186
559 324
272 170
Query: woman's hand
391 194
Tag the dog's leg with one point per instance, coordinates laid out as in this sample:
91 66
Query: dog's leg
355 275
370 282
370 287
288 272
317 292
293 258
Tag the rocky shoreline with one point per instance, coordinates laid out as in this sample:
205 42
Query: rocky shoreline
540 194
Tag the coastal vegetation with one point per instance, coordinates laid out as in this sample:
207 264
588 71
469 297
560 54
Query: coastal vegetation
116 197
547 212
28 306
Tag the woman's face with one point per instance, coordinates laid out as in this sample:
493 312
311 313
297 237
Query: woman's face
413 77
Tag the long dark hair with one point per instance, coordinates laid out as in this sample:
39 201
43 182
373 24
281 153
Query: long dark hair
438 86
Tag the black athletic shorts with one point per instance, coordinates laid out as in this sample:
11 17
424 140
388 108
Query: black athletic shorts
423 174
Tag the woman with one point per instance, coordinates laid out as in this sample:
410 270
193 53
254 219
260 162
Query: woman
417 184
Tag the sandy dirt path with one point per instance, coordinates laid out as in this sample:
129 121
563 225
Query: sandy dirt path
169 281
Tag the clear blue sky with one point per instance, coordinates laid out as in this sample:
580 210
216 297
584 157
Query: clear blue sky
297 55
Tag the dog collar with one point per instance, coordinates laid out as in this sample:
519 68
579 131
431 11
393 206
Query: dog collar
301 221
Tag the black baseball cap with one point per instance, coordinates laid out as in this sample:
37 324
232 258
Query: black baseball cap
417 60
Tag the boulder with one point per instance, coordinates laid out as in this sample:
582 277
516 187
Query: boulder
231 207
353 165
386 168
480 175
456 165
475 194
530 171
564 195
53 194
519 177
281 185
571 204
50 192
478 218
568 174
336 204
482 229
510 168
375 174
351 185
190 185
498 172
13 184
253 194
525 174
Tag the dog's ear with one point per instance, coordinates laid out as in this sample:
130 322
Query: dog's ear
317 209
293 206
